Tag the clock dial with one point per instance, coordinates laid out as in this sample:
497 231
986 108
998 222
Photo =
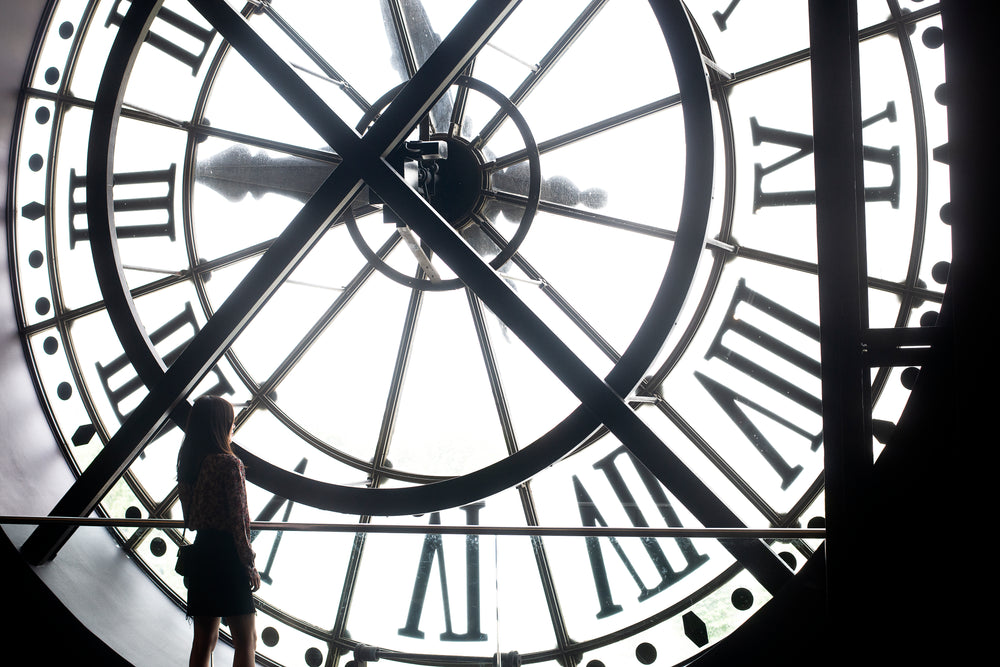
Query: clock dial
447 265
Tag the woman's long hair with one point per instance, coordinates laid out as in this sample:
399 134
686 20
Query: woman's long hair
208 431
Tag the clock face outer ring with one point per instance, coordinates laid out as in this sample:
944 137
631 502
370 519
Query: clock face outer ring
561 439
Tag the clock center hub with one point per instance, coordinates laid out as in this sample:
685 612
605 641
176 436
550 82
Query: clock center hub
455 186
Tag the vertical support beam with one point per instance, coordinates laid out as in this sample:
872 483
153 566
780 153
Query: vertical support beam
973 142
843 304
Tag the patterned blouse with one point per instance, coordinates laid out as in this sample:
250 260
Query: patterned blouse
218 501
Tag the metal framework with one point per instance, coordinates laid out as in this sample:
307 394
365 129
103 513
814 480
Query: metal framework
363 162
847 389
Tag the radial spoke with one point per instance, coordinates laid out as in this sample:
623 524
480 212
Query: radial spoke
348 590
590 130
492 372
545 571
396 384
561 303
326 319
315 56
892 287
318 155
303 346
68 316
459 105
544 67
589 216
399 38
725 467
199 129
278 74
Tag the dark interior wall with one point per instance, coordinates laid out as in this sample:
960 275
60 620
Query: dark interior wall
39 625
927 574
37 620
925 567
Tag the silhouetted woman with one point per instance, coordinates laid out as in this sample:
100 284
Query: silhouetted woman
221 578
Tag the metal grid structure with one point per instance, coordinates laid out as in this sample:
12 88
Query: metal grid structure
371 156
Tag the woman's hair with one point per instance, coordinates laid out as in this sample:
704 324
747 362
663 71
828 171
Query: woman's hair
208 429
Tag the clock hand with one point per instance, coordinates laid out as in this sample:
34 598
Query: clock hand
363 159
413 243
330 201
235 172
414 100
313 492
412 40
596 394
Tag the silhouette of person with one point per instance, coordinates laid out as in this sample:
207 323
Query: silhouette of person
221 577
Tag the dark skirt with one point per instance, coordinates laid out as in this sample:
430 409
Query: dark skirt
217 582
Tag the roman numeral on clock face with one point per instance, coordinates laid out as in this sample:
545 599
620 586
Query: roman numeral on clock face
722 16
613 466
803 143
123 386
434 549
143 204
763 355
170 32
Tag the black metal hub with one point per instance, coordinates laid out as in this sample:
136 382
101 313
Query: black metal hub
457 184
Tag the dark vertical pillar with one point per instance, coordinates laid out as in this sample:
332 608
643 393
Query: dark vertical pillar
840 229
973 150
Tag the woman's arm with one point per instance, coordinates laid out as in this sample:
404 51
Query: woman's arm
184 493
240 515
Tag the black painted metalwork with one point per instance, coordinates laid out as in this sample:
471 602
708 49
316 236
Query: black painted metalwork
326 68
363 159
843 298
332 198
553 294
475 173
541 69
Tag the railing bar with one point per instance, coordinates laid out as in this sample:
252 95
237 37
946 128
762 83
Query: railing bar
542 531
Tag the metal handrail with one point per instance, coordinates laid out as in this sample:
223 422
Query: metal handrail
434 529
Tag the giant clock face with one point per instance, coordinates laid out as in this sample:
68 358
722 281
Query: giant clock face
540 265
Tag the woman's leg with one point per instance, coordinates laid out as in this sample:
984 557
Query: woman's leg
244 631
206 634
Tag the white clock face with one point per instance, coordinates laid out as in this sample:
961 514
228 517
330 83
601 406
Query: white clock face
574 182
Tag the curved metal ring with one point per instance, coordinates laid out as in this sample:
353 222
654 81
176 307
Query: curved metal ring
534 190
559 441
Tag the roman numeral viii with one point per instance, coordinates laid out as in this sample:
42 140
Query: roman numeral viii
768 361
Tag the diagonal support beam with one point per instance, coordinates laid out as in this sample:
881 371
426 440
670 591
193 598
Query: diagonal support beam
364 162
269 272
